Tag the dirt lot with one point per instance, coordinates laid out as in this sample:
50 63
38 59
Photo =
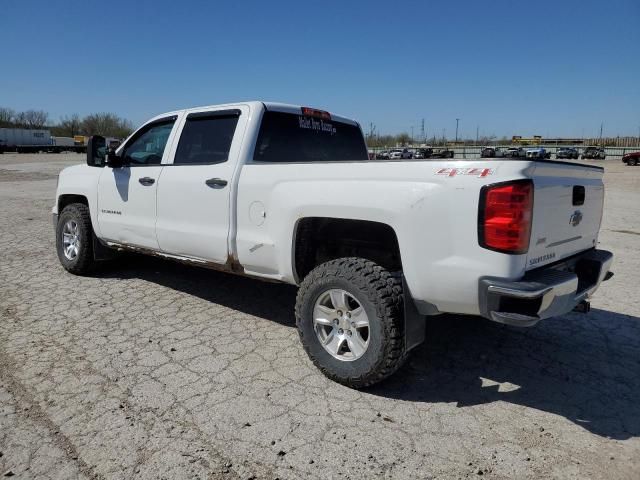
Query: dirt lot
156 370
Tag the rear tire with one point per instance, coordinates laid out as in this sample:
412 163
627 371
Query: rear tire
369 292
74 239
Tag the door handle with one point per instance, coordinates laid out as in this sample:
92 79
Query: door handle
216 182
146 181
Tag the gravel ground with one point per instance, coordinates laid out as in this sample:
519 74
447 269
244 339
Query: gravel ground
152 369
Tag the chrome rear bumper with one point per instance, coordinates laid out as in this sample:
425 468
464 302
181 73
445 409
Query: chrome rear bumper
545 292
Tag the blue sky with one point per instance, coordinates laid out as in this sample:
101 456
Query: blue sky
509 67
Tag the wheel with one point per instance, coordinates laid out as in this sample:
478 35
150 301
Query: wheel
350 321
74 242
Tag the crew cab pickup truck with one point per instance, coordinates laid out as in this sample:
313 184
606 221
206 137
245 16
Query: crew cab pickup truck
287 193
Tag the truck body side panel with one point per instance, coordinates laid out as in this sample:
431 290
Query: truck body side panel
433 213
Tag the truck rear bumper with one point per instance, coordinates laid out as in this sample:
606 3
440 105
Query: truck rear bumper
545 292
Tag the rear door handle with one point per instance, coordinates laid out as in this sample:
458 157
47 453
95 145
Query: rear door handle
216 182
146 181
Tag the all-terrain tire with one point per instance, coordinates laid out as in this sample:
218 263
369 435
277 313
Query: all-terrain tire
379 292
83 263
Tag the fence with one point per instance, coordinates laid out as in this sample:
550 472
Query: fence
473 151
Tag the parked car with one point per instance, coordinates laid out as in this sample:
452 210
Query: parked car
423 152
395 154
492 152
286 193
594 153
515 152
406 153
442 153
567 152
631 158
539 152
382 155
398 153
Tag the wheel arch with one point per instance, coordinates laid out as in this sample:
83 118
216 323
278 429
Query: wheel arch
316 240
69 198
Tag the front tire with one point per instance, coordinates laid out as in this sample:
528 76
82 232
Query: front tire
74 239
349 314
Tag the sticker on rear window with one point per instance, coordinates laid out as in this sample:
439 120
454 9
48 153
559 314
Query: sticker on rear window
309 123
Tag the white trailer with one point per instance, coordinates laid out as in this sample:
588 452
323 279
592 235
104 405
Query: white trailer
14 138
22 140
63 141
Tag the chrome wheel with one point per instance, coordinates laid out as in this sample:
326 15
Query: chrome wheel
341 325
71 240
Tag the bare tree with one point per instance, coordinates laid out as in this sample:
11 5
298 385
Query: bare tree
70 126
108 124
33 118
20 120
403 139
7 116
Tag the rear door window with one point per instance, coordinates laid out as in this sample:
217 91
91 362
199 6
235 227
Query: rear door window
206 138
287 137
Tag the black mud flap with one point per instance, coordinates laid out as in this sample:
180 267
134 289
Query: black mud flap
101 251
414 322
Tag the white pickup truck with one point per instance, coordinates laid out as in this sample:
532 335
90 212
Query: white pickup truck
287 193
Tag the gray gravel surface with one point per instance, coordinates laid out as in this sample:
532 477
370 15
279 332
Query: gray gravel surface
151 369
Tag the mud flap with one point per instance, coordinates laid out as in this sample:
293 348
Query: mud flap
414 322
101 251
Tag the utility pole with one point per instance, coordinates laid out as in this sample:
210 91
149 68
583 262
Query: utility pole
457 121
601 125
477 134
411 134
422 134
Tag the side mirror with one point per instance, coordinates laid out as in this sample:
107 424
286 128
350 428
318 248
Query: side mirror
96 151
113 160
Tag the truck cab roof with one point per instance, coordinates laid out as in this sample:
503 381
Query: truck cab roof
255 105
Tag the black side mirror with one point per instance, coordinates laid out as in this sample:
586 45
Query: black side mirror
96 151
113 160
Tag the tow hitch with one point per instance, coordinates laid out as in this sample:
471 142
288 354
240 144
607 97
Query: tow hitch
583 307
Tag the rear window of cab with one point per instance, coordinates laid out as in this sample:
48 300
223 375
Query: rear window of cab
288 137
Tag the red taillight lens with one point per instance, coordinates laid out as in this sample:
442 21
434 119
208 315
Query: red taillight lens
504 222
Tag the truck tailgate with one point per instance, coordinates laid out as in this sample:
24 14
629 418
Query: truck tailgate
567 211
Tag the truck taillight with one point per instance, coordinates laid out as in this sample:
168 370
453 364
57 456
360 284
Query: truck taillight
504 218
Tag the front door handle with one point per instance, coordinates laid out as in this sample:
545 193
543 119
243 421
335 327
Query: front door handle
146 181
216 182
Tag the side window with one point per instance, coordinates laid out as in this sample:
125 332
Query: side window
148 145
206 139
